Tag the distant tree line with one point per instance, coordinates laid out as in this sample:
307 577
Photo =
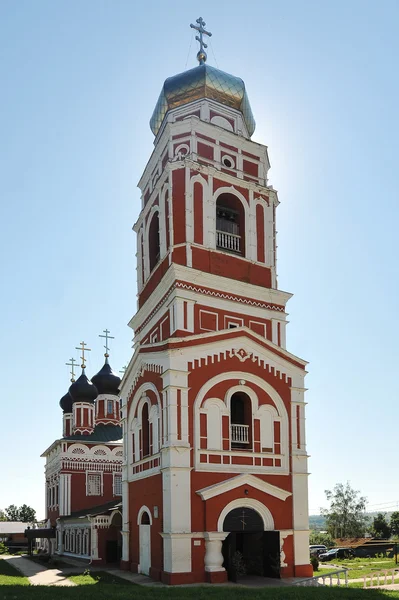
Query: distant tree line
347 518
23 513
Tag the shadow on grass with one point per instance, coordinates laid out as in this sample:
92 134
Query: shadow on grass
10 576
129 592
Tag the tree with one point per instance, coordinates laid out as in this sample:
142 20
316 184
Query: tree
394 523
12 513
24 513
2 515
317 538
27 514
345 517
380 528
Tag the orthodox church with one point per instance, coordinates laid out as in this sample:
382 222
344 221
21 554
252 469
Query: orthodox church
215 477
84 469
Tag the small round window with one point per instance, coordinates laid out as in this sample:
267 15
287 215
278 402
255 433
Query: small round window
228 162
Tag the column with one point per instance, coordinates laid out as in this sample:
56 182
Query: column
94 542
216 573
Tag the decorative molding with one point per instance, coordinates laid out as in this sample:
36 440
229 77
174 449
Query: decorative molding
209 292
234 482
268 521
225 296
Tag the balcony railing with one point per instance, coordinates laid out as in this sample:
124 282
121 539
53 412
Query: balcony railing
228 241
239 434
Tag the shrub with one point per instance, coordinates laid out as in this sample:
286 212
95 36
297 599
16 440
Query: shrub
3 548
314 561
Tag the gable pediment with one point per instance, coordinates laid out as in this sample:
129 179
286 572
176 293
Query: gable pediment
235 482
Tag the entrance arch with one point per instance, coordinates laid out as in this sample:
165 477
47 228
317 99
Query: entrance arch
252 547
243 519
144 521
113 546
261 509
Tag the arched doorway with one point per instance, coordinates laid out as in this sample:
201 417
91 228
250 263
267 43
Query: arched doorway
113 544
145 542
249 549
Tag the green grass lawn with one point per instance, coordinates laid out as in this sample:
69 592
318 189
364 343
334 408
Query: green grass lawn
10 576
133 592
360 567
91 578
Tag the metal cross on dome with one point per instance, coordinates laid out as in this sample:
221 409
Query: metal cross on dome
72 365
201 56
83 349
107 337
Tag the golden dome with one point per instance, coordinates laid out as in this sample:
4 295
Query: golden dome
202 82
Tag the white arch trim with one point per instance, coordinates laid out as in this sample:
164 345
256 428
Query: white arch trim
111 516
264 385
268 521
245 390
144 509
215 402
232 190
145 387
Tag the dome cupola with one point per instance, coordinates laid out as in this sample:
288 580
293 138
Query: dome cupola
82 390
66 403
202 82
106 380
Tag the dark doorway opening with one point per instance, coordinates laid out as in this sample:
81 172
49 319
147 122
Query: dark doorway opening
112 551
248 550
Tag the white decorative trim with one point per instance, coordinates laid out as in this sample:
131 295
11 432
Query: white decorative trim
275 397
268 521
246 479
144 509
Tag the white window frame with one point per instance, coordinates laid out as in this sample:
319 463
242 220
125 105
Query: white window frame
101 487
117 476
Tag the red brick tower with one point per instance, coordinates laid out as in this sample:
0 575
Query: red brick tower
213 403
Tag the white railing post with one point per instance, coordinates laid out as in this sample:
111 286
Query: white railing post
240 434
228 241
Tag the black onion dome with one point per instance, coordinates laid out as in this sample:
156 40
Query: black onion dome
66 403
106 381
82 390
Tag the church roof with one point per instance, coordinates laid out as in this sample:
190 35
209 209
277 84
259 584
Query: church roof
106 380
102 433
66 403
82 390
96 510
203 81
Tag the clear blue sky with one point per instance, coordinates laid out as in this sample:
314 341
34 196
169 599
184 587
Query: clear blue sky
79 81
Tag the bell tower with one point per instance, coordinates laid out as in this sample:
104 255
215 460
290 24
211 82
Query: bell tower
213 403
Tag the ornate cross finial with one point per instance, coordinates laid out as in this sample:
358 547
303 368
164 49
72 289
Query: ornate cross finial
123 370
72 371
83 349
107 337
201 56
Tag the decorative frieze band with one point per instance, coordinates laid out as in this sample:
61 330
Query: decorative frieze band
209 292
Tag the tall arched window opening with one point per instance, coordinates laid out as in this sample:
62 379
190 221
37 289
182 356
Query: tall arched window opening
230 224
241 421
153 241
145 430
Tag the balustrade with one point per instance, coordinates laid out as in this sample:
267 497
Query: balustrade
228 241
240 434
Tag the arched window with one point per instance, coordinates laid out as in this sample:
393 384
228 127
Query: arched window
241 421
153 241
230 224
145 519
145 430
